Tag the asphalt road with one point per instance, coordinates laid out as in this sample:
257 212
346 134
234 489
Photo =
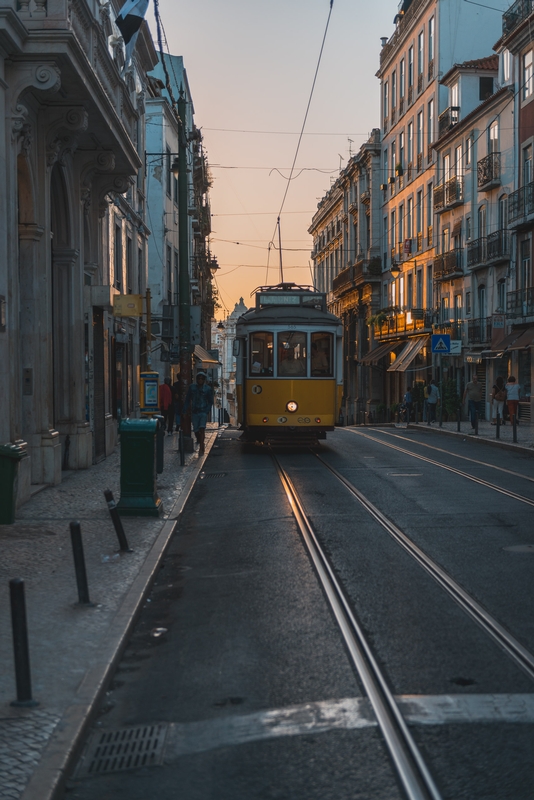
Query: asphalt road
238 655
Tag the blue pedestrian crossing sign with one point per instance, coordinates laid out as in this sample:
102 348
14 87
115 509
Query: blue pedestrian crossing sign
441 343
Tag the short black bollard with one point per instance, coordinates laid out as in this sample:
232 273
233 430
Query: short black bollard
514 429
117 522
459 418
20 645
79 563
498 426
181 448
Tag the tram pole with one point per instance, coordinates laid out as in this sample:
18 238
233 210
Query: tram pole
184 308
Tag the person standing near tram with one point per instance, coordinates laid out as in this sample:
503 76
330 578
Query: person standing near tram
199 398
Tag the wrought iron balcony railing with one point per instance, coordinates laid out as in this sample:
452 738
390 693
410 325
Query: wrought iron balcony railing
448 119
477 252
499 246
521 202
520 303
517 12
448 264
489 171
479 330
449 194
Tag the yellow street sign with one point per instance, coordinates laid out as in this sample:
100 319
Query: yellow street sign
128 305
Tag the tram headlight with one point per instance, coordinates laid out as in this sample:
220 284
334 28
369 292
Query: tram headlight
266 419
292 406
318 420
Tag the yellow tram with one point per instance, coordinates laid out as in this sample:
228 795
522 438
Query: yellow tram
288 366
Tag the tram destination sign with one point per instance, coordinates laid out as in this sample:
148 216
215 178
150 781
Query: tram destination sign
277 299
441 343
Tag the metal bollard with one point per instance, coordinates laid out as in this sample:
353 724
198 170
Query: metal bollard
117 522
20 645
514 429
79 563
459 418
498 426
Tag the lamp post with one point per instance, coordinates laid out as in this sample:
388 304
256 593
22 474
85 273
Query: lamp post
222 332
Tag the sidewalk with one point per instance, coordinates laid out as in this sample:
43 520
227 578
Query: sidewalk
73 649
486 433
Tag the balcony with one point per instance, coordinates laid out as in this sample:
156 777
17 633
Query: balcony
455 330
477 251
429 236
448 265
498 246
419 162
519 11
521 203
449 194
420 83
448 119
403 322
365 197
430 70
479 330
364 270
410 95
520 303
489 172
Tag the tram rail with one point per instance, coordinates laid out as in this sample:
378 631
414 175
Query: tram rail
407 759
495 487
411 768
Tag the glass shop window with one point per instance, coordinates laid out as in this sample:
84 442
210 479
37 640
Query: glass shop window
292 354
261 354
322 355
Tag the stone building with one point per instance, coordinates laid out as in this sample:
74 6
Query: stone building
72 141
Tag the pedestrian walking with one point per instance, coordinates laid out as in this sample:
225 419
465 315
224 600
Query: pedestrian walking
473 394
200 399
408 403
165 401
433 398
498 396
512 398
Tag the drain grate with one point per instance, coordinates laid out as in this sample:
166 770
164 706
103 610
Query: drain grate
215 475
123 749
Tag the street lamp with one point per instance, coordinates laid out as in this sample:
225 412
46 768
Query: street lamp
394 269
174 167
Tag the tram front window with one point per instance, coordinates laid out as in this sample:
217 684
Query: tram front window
292 355
321 354
261 354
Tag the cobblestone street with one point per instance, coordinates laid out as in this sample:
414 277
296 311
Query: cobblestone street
65 639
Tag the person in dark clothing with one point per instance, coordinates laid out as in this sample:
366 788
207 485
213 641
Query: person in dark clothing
165 402
200 399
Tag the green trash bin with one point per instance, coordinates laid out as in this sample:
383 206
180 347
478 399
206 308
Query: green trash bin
139 497
10 457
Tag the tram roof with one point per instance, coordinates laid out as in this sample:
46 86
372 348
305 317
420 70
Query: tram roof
279 315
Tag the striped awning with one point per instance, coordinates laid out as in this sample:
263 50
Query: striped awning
406 356
204 357
379 352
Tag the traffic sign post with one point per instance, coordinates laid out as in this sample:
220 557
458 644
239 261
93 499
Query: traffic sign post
441 343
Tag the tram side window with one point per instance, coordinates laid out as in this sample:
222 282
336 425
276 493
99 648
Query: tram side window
261 354
322 354
292 354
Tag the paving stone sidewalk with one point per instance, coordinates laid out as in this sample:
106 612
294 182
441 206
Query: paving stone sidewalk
66 640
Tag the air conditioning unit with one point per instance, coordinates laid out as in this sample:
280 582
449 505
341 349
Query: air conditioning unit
383 186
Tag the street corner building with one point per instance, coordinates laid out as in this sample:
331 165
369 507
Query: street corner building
74 91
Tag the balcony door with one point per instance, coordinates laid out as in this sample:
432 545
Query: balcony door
527 165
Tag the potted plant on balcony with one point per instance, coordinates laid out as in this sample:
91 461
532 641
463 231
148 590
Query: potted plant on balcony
377 320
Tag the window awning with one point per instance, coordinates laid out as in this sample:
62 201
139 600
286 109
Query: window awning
406 356
203 356
380 351
514 341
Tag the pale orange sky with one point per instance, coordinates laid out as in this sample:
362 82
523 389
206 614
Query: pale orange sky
250 67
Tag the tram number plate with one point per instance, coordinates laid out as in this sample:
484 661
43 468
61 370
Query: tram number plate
304 419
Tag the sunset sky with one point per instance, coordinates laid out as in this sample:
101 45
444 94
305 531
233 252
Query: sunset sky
250 67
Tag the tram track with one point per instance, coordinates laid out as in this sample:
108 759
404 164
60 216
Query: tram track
480 481
408 761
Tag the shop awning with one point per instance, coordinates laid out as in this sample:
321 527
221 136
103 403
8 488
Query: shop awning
406 356
526 338
380 351
203 356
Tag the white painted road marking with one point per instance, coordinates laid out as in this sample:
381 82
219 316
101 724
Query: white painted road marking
349 713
